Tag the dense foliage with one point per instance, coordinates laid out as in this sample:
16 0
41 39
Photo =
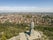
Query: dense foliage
11 29
47 30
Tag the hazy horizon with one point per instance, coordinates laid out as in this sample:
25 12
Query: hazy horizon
26 5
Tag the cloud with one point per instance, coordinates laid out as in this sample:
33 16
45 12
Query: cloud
25 9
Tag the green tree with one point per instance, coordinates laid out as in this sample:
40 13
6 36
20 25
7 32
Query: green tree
3 36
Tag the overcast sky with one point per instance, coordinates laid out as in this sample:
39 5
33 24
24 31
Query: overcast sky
26 5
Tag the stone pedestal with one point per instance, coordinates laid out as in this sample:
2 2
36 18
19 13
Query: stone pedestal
32 34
